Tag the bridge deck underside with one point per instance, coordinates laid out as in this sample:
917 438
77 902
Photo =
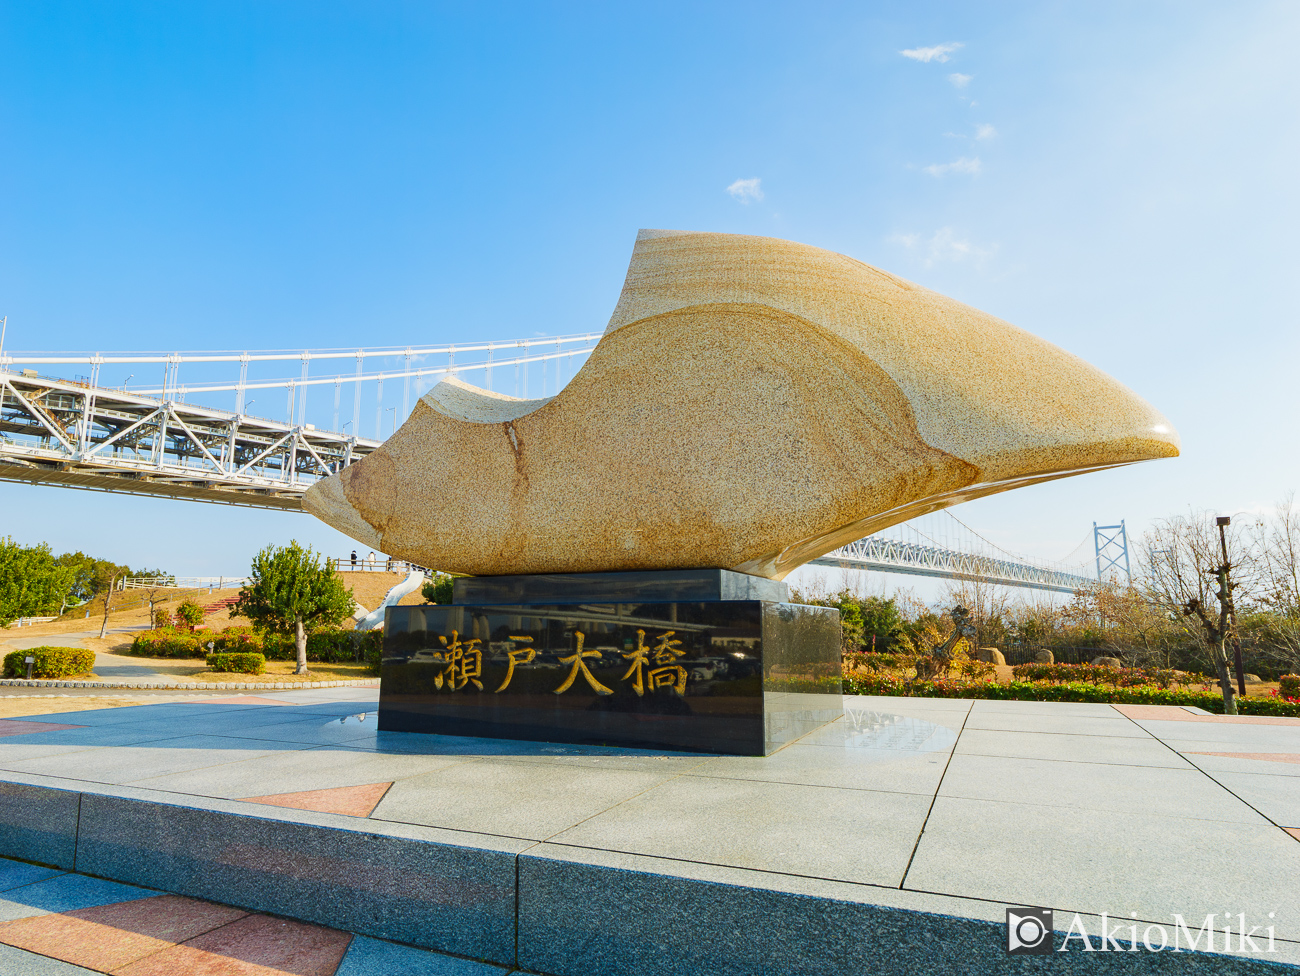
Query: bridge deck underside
135 483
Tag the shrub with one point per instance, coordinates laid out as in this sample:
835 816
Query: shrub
438 589
1289 686
51 662
239 640
864 683
245 663
1098 674
167 643
189 615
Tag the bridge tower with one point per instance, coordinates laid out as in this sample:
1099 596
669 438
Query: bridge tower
1111 544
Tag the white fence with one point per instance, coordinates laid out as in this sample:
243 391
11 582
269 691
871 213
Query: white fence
181 582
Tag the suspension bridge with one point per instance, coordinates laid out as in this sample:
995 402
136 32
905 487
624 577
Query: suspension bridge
196 436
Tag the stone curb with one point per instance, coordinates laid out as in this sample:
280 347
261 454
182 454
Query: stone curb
192 686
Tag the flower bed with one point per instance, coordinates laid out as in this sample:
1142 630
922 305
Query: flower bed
863 683
1097 674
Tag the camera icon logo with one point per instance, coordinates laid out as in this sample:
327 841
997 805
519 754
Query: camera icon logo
1029 931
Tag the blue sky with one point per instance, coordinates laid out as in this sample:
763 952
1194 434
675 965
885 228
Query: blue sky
1117 178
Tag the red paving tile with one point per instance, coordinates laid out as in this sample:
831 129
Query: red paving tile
1293 831
9 726
355 801
257 945
1174 713
1286 757
110 936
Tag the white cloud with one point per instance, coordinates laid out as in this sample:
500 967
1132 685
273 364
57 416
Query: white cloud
938 53
945 245
962 165
959 80
746 191
985 132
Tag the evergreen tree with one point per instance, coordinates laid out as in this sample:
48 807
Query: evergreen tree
290 592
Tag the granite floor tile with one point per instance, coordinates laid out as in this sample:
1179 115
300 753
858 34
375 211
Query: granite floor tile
108 937
307 769
1095 786
1049 723
1072 709
132 763
15 874
1225 738
526 800
1076 860
1276 797
65 893
1113 750
817 831
844 766
1214 764
371 957
19 962
869 729
253 945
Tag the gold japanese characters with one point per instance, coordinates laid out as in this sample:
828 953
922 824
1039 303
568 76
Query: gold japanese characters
458 664
754 403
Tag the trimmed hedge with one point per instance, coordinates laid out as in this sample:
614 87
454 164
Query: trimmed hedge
50 663
1211 701
244 663
1099 674
332 646
169 643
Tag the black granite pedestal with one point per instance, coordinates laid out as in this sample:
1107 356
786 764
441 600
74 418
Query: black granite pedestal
690 660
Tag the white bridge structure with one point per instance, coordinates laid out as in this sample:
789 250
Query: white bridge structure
199 439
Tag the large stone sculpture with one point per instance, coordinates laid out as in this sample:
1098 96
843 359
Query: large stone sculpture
754 404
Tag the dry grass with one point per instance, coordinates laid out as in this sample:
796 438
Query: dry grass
283 671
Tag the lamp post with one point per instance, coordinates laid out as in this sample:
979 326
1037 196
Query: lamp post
1223 521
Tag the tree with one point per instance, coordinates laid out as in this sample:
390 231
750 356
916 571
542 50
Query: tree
290 591
32 583
108 599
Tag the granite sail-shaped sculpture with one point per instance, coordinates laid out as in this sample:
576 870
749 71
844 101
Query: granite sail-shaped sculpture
754 404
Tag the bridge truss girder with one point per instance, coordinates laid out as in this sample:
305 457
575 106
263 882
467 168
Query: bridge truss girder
892 556
80 436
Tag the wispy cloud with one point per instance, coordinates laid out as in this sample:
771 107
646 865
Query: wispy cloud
962 165
747 191
959 80
985 132
938 53
945 245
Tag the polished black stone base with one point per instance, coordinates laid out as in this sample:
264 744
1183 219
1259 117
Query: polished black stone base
604 658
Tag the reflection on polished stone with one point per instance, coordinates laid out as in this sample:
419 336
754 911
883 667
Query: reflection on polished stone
886 732
740 676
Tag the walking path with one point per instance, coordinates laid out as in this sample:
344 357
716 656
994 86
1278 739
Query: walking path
901 832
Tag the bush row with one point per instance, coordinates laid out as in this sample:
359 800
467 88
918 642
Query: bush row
326 646
1211 701
243 663
1099 674
968 668
1289 685
50 662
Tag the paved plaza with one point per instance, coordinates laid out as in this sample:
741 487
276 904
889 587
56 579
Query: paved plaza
907 827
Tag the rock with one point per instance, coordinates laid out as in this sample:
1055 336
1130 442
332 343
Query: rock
753 404
990 655
1107 662
1252 678
1044 657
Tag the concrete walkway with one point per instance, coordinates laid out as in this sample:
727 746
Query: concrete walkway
891 841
